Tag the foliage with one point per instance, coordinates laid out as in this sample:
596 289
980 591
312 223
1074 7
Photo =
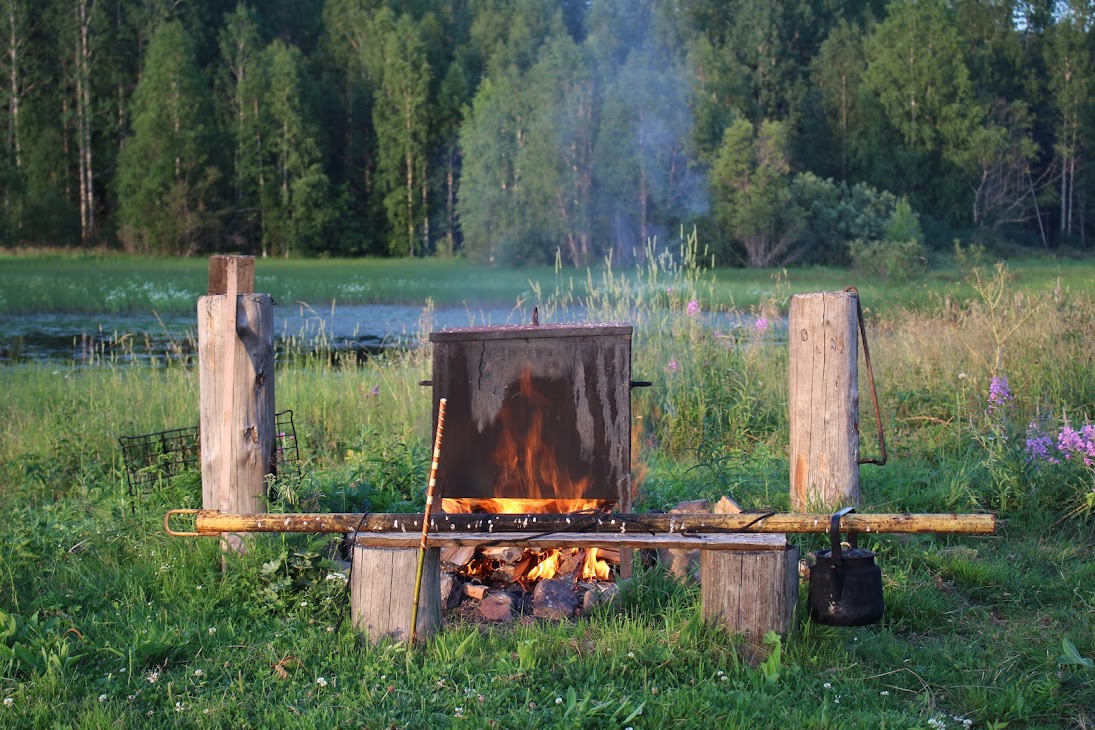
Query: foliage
344 127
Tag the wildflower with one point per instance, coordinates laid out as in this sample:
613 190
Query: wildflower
179 707
321 681
153 676
1038 445
672 366
198 672
8 701
375 391
132 697
827 685
630 655
212 630
558 700
1078 443
102 698
761 325
999 393
885 693
303 604
200 587
458 711
693 308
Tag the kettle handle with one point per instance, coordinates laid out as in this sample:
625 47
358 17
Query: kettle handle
834 536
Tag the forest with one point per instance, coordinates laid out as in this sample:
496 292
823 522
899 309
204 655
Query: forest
521 131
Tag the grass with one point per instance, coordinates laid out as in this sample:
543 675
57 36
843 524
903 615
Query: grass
107 621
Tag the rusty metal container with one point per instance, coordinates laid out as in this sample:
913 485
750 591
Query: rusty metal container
535 411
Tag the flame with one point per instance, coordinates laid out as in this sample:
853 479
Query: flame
527 465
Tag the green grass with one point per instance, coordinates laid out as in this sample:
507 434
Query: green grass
98 601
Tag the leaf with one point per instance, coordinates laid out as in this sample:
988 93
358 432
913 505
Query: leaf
7 626
280 666
638 711
1072 655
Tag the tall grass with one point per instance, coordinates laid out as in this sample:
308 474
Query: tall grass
105 616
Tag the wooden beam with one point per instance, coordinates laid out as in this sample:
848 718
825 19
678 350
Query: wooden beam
734 541
212 522
239 270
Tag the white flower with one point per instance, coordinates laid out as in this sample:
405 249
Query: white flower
153 676
121 671
885 693
179 707
212 630
827 685
303 604
102 698
8 701
321 681
132 697
198 672
558 700
630 655
200 587
458 711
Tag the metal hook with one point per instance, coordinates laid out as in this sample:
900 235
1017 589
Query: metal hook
881 460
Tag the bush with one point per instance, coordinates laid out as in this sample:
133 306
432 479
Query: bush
894 261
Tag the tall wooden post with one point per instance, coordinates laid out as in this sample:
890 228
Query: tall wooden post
824 400
236 379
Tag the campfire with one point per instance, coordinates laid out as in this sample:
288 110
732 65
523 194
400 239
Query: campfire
539 423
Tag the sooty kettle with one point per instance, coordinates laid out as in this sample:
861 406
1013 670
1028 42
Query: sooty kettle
845 585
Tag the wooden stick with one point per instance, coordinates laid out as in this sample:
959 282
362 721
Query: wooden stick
426 516
211 522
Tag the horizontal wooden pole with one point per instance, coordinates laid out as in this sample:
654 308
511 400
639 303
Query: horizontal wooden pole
730 541
212 522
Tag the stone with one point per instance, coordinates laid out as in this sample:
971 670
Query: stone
554 599
598 594
497 606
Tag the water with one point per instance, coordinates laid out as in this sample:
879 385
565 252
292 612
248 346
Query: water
362 330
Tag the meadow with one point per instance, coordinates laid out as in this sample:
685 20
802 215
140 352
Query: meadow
986 387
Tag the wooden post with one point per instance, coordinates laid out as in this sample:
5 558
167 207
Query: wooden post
824 401
236 379
382 592
750 592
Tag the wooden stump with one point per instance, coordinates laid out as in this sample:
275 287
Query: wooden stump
751 592
824 401
382 592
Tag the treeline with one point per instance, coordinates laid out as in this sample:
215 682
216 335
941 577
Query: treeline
809 130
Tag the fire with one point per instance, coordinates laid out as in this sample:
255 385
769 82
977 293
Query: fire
527 465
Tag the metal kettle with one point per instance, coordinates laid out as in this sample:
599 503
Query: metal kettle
845 585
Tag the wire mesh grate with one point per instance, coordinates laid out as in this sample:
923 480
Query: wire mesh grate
155 457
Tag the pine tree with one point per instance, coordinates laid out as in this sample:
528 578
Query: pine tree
165 176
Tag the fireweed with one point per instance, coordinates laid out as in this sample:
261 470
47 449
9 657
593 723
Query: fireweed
1070 452
1003 461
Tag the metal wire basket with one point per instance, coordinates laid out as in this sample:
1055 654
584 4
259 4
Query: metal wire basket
154 458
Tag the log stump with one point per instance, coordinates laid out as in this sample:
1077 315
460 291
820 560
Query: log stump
751 592
824 400
382 593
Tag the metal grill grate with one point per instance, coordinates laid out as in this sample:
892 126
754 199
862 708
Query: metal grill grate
155 457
